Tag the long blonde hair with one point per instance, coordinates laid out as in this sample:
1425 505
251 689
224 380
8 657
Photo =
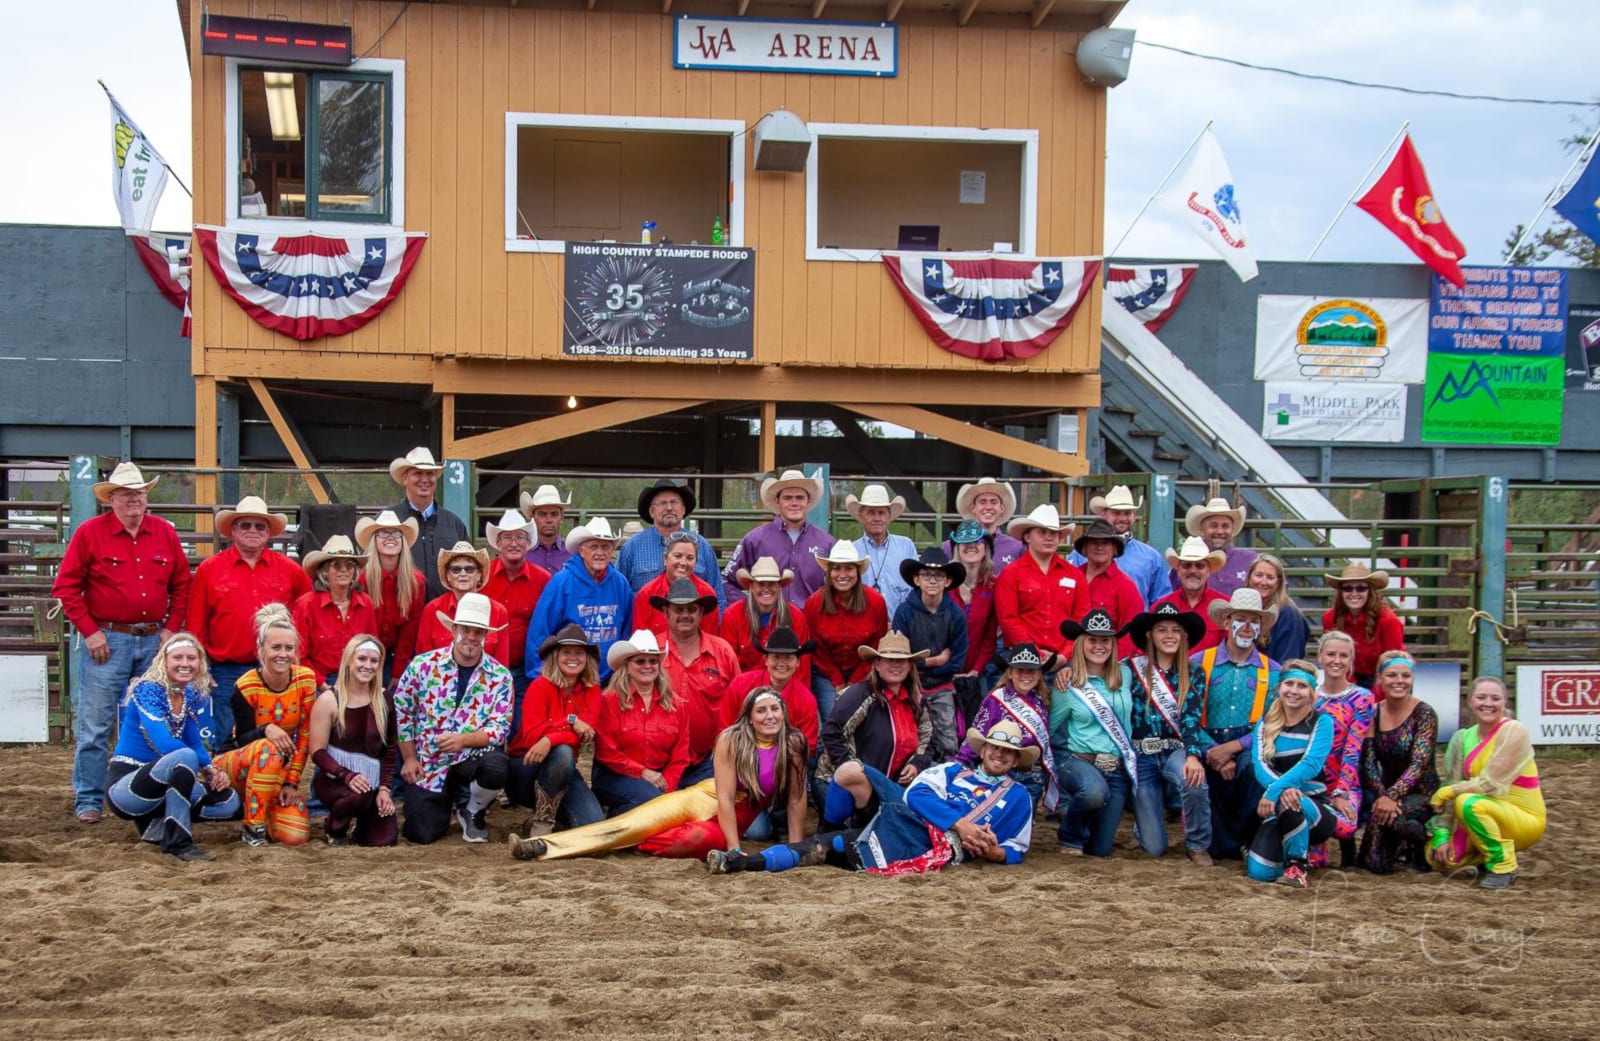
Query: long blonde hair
157 672
621 684
1112 674
782 611
746 763
1277 716
346 682
408 588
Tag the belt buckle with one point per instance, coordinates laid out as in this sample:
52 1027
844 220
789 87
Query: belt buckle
1151 746
1107 763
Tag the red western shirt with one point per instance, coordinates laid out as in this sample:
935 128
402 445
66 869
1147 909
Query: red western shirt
736 630
519 595
1215 633
1031 604
324 634
398 632
545 708
1390 635
631 741
647 616
839 636
108 575
433 634
903 720
228 592
1115 593
796 695
699 687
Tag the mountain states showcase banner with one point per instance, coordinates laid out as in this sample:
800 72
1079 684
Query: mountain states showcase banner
1306 410
1497 352
641 301
1335 338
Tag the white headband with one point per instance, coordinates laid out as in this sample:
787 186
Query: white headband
370 645
765 695
181 642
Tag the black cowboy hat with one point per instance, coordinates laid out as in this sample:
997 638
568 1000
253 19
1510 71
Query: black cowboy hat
1138 630
1096 623
683 591
932 559
1100 528
1026 656
569 635
783 641
666 484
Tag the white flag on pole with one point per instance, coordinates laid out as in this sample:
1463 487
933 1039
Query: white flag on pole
1202 198
138 173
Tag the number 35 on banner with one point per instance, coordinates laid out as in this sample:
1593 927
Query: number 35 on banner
624 298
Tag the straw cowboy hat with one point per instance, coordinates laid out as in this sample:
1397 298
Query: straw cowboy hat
510 520
1004 734
968 492
251 506
1360 573
648 496
1120 497
1214 508
1243 601
1138 630
569 635
1044 517
124 477
462 549
843 552
544 495
1026 656
1101 530
472 610
416 459
596 528
765 569
1097 622
892 646
682 592
770 488
932 559
875 495
643 641
783 641
367 528
1195 548
338 547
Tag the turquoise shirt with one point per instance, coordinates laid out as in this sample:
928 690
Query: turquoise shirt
1075 728
1231 691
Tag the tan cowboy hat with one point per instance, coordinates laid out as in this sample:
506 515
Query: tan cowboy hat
416 459
462 549
1120 497
124 477
1044 517
875 495
472 610
569 635
770 488
594 528
968 492
510 520
842 552
367 528
1243 601
1214 508
1360 573
893 646
1004 734
251 506
643 641
338 547
764 570
1195 548
544 495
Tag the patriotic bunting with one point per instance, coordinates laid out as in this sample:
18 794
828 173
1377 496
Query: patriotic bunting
1150 294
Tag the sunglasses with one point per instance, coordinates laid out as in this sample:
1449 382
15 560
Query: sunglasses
1362 588
1193 565
251 526
462 569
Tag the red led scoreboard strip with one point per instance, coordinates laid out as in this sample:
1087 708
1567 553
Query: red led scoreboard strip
272 40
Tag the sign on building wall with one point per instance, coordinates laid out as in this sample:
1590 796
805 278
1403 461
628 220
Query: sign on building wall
785 45
639 301
1583 347
1343 411
1496 357
1560 704
1340 338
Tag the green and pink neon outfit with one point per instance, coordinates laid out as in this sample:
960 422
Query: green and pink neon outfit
1490 805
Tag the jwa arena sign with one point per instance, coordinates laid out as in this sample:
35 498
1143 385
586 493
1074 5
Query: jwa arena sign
783 45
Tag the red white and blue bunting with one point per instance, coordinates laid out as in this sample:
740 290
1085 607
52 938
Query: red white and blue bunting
1150 294
152 252
308 286
989 307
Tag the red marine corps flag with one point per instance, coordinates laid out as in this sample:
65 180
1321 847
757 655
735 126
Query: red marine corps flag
1402 202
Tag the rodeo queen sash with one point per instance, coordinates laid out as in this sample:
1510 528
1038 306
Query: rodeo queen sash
1161 695
1108 721
1034 726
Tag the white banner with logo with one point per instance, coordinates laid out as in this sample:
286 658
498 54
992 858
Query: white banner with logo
785 45
1304 410
1560 704
1339 338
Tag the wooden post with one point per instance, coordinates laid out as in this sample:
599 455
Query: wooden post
205 457
447 424
767 454
289 434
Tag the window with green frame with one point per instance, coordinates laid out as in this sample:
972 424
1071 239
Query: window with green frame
315 144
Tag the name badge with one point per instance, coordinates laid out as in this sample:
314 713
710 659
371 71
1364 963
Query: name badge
1069 583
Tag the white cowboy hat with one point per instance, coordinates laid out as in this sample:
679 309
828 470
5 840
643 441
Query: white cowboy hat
1004 734
1243 601
765 569
770 488
1214 508
510 520
251 506
1375 580
472 610
842 552
968 492
595 528
893 646
1045 517
463 549
875 495
544 495
124 477
1120 497
643 641
416 459
338 547
367 528
1196 549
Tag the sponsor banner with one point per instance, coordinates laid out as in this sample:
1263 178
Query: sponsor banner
1339 338
786 45
1439 684
1560 704
640 301
1304 410
1513 311
1583 347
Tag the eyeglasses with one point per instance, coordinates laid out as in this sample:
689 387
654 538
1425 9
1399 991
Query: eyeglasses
251 526
1192 565
390 536
463 569
643 662
342 565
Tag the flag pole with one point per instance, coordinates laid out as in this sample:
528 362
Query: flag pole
1527 229
170 171
1160 186
1398 134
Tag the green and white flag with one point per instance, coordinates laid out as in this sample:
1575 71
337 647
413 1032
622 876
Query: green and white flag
138 173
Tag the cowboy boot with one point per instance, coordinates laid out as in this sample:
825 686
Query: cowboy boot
543 819
525 849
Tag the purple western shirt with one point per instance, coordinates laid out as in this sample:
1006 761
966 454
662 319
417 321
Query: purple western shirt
798 555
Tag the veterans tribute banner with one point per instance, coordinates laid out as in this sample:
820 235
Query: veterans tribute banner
1339 338
1496 357
641 301
1306 410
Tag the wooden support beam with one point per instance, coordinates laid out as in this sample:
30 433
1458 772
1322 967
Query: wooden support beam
666 6
570 424
879 461
892 12
967 7
744 5
767 451
1041 11
977 438
205 454
289 434
447 426
817 6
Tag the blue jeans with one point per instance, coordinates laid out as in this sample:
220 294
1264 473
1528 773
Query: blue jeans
696 773
100 693
556 775
825 692
519 687
1160 777
1094 805
226 675
619 793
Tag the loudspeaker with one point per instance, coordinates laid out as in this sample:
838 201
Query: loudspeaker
1104 56
783 142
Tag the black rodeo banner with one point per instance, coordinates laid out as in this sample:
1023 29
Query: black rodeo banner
643 301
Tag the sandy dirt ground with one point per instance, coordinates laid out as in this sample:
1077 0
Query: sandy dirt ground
102 937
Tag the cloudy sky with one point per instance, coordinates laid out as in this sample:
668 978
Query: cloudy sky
1296 147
